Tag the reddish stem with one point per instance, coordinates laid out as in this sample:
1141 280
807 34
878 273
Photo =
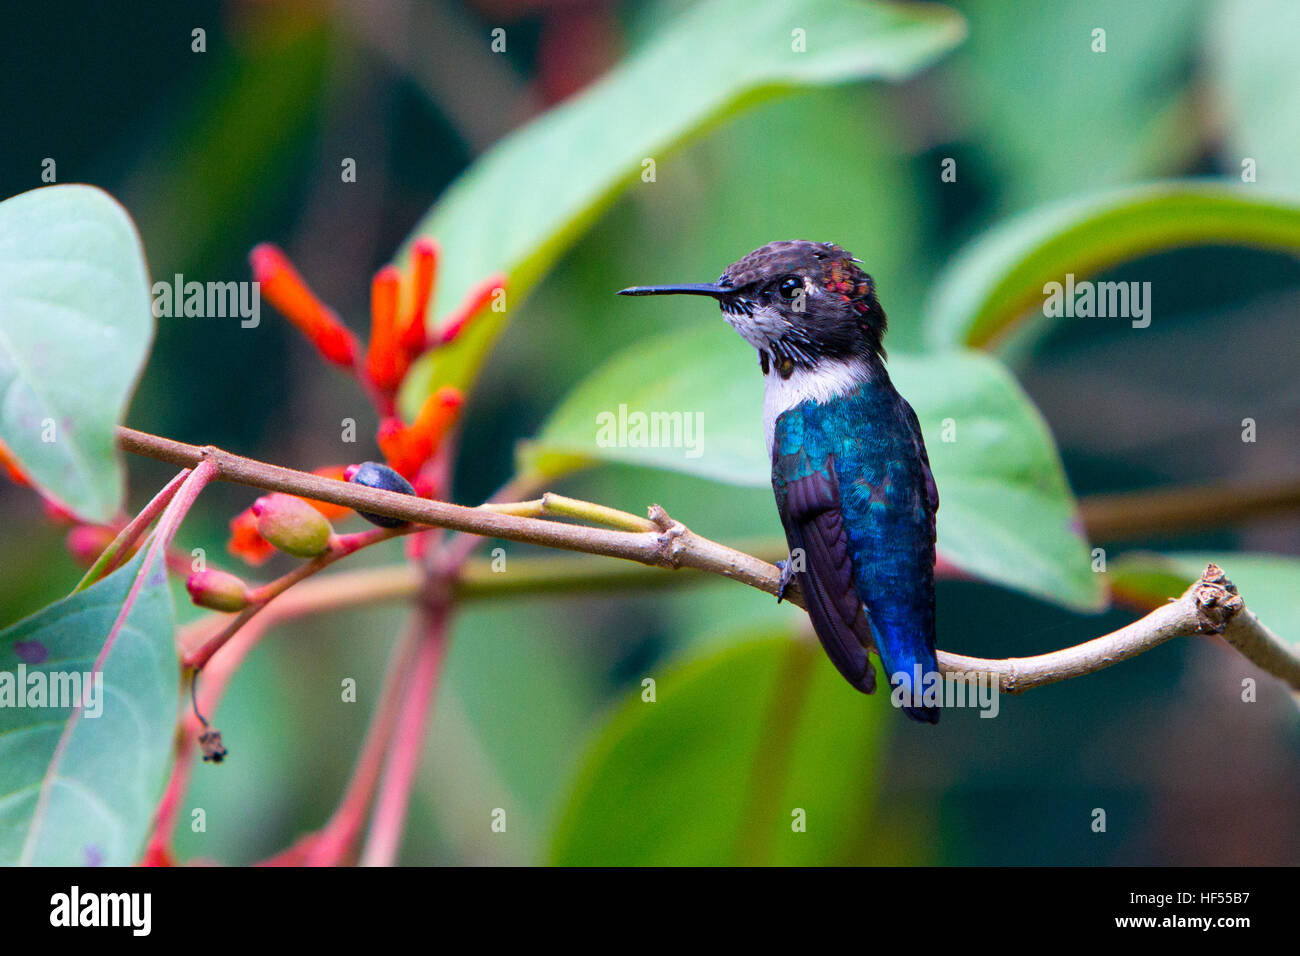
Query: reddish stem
389 819
334 843
340 546
120 547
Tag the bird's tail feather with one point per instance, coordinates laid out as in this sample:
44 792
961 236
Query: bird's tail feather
909 668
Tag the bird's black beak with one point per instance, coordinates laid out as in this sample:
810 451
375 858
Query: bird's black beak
711 289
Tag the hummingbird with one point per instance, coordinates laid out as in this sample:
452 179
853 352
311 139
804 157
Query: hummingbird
850 471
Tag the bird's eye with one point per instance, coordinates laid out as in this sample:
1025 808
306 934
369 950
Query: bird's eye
790 287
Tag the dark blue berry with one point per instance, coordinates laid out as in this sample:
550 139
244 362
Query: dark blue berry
374 475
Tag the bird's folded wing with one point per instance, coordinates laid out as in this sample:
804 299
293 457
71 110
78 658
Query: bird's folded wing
814 523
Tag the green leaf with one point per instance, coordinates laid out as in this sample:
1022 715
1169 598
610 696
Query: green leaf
76 323
711 772
101 789
1268 583
1006 512
1000 277
1255 84
521 205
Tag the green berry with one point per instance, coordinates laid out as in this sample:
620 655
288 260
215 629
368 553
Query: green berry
217 590
292 525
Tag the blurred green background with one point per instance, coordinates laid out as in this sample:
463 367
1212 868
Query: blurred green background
212 153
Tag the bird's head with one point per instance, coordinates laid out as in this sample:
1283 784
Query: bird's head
798 303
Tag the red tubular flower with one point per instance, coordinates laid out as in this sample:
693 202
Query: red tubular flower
438 413
386 360
407 448
286 290
424 272
475 301
246 541
394 440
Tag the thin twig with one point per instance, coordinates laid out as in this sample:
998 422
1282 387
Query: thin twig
119 549
340 546
560 506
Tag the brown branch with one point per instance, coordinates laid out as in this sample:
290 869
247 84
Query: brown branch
672 546
1210 606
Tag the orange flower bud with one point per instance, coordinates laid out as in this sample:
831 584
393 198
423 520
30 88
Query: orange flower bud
286 290
56 511
386 360
424 271
438 413
393 439
407 448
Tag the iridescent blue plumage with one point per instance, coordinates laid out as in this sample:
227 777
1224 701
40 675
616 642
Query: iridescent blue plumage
849 466
867 446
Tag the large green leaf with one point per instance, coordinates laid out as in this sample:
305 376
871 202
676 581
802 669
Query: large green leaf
712 771
101 785
1269 583
1000 277
75 327
1006 513
527 199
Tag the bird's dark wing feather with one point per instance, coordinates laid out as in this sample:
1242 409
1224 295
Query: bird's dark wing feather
813 523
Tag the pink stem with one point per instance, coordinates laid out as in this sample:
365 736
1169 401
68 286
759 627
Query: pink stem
335 840
120 547
340 546
389 819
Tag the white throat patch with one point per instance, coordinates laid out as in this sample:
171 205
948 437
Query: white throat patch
760 328
831 378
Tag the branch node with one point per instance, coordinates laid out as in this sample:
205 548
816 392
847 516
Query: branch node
1010 678
671 543
659 516
1217 601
